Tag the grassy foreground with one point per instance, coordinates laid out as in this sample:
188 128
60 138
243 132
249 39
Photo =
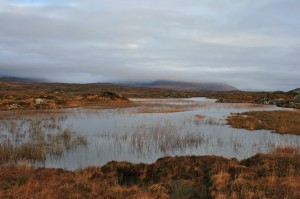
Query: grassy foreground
284 122
262 176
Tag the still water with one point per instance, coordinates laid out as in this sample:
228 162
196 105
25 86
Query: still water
153 128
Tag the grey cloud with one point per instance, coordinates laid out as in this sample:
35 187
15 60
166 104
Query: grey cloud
252 45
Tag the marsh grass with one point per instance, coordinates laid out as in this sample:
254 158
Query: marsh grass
273 175
167 105
36 140
63 141
284 122
27 151
199 116
159 138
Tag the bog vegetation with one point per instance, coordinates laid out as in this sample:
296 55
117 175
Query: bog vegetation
284 122
41 139
276 175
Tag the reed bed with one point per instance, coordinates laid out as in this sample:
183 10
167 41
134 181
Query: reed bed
170 104
158 138
36 140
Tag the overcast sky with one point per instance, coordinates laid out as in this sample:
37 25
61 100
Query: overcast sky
250 44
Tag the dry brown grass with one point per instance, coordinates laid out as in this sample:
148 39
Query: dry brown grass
262 176
246 97
22 95
284 122
36 144
198 116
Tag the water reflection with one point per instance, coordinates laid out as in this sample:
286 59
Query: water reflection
132 135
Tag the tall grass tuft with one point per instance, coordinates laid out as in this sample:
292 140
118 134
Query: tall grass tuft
34 141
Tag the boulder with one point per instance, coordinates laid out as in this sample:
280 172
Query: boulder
274 101
296 92
262 100
39 101
279 101
296 99
14 105
222 100
112 95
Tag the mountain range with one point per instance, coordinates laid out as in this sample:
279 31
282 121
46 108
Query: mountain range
167 84
21 79
188 86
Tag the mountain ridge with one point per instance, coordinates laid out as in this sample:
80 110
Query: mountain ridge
21 79
188 86
166 84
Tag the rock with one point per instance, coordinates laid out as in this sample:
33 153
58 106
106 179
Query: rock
262 100
265 100
279 101
291 104
222 100
296 92
296 99
112 95
40 101
14 105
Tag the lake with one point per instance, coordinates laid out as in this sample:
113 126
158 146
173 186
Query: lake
151 129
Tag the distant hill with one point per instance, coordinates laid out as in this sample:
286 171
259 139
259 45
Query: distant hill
162 84
20 79
188 86
295 90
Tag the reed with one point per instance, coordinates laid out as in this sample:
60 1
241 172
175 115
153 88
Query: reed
158 138
37 140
